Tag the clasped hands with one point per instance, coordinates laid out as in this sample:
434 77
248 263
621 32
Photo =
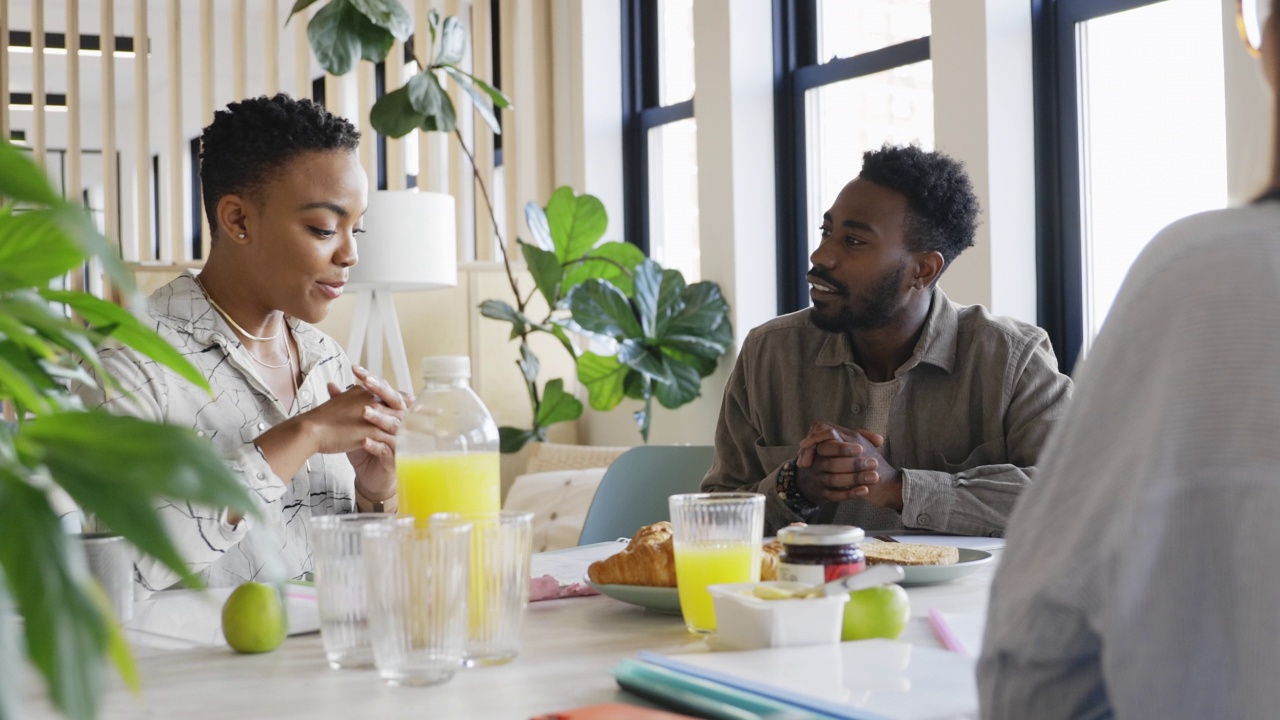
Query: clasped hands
837 464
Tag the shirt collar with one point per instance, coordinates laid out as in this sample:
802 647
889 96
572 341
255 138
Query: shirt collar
937 344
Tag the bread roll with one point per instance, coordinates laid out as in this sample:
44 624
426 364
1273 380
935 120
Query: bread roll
649 560
909 553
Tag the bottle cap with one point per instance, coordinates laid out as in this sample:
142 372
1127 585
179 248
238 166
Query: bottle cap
446 366
820 535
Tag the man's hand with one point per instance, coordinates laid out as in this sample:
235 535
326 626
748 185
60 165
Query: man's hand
838 464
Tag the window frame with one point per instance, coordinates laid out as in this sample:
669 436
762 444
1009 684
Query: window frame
796 71
641 112
1059 211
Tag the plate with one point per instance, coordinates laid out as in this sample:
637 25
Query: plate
971 561
658 599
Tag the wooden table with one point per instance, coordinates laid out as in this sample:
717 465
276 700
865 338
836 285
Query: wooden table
569 647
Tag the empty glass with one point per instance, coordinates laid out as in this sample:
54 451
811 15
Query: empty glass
717 540
499 590
417 599
336 545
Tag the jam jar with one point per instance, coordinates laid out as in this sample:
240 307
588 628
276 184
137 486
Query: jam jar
818 554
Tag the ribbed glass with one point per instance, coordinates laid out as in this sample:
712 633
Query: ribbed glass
717 540
418 579
501 544
336 548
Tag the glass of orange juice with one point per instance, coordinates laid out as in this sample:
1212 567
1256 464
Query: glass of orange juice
717 540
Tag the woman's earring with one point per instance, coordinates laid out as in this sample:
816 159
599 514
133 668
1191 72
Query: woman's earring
241 236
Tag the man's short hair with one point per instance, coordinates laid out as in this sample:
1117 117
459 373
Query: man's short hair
254 137
942 211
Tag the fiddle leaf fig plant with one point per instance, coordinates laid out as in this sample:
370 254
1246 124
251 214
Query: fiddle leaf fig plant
114 468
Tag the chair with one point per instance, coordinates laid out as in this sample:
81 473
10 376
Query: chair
635 488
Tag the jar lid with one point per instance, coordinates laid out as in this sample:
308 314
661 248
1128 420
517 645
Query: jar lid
446 366
820 535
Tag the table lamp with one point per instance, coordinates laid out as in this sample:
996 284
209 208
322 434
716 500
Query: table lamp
409 243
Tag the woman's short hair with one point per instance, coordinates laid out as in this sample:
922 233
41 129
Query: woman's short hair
254 137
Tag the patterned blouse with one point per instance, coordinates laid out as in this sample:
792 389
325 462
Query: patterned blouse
241 409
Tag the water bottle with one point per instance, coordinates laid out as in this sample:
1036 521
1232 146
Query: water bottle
447 446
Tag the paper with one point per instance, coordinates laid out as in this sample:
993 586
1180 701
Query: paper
176 619
559 573
855 680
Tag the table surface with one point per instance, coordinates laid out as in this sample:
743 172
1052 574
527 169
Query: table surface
569 646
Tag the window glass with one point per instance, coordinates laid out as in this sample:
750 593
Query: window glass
675 51
852 27
673 198
848 118
1152 134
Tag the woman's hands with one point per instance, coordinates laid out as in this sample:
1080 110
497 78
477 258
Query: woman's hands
374 459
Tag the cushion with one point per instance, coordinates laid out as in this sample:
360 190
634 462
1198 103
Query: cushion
560 456
559 501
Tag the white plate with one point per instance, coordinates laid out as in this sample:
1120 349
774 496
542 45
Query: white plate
658 599
971 561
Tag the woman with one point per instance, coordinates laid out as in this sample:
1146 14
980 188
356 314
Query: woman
1138 579
285 195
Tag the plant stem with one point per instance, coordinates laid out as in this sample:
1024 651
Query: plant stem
497 230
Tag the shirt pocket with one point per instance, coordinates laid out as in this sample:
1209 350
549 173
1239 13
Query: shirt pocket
991 452
772 456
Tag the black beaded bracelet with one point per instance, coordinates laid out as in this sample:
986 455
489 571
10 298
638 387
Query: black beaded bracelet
789 489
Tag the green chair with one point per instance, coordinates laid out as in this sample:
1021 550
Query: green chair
634 490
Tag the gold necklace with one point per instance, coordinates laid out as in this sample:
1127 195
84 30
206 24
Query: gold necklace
236 325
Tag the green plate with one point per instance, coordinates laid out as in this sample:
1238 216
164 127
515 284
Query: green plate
971 561
658 599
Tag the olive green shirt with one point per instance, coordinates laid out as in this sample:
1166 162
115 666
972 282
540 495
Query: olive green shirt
977 401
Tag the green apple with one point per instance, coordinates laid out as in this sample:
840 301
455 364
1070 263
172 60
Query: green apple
877 612
253 618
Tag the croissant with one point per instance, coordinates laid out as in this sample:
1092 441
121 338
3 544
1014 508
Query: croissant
649 559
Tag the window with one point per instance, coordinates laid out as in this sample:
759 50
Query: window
1132 128
660 133
875 86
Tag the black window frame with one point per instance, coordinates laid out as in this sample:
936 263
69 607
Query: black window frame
797 70
1059 224
642 111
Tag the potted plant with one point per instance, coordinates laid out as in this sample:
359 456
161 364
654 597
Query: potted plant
114 467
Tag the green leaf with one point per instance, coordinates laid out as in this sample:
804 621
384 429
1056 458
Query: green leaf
375 42
30 310
34 250
499 99
80 228
555 329
702 326
24 337
648 285
115 467
424 94
478 99
21 179
393 114
637 356
670 301
685 385
444 121
546 271
66 635
637 385
601 308
557 405
528 363
298 7
499 310
603 377
511 440
612 261
130 331
335 43
577 222
387 14
536 218
22 379
433 24
453 42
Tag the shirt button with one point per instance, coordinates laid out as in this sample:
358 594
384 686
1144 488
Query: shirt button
997 534
856 409
262 476
262 426
199 433
306 394
923 518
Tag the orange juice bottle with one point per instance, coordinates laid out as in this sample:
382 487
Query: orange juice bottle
447 446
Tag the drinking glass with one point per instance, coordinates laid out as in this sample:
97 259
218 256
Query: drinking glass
336 546
110 560
501 544
418 576
717 540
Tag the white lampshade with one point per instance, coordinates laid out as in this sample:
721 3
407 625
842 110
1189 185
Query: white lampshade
409 243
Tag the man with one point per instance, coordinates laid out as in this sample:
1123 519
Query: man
886 405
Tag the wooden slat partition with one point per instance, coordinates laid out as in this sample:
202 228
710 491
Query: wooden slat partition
75 174
369 139
271 46
110 163
207 58
4 76
176 246
239 51
301 56
142 246
38 86
395 146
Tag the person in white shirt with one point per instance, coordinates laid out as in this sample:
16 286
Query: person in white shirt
304 431
1138 577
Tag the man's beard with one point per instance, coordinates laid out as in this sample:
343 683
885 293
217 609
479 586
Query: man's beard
879 306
